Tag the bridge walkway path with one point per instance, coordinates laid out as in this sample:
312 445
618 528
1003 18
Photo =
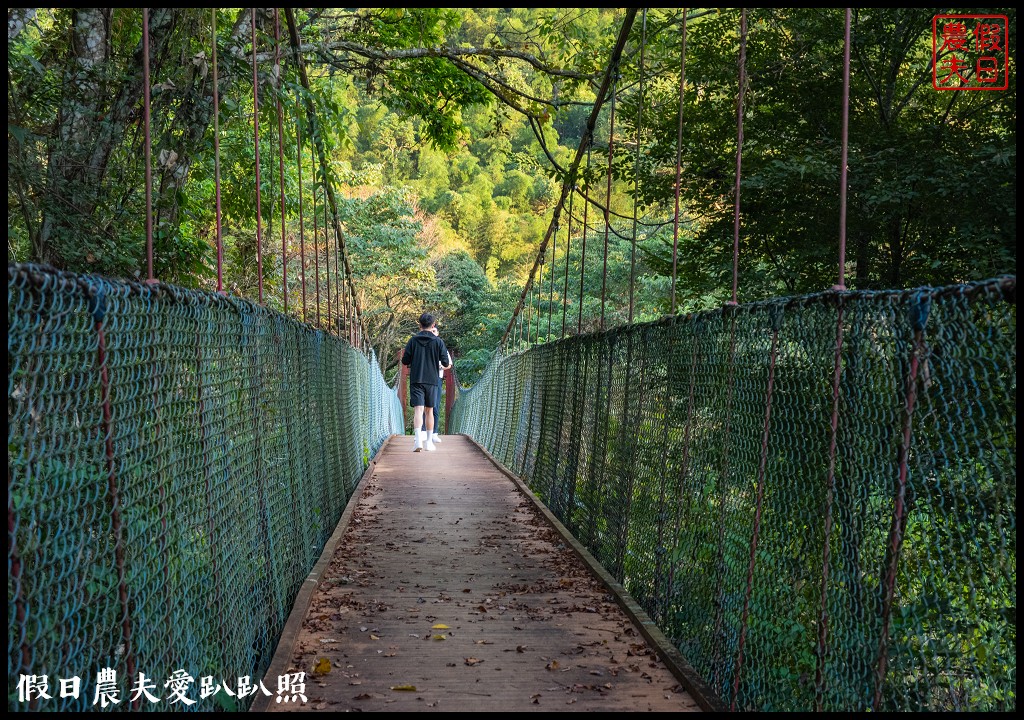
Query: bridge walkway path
447 587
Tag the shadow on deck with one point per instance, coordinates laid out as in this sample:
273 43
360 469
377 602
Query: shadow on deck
445 587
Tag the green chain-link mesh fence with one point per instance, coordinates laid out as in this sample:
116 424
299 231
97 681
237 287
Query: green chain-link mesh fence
176 462
795 567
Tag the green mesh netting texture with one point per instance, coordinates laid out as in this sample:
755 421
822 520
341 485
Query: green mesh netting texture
176 462
808 539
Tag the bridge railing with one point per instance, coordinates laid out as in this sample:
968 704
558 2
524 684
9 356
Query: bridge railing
813 528
176 462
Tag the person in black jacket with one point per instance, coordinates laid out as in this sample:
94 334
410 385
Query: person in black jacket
423 353
445 363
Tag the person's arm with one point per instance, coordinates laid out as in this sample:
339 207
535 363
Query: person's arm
446 357
407 354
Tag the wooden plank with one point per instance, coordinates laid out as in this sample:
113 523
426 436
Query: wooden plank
446 539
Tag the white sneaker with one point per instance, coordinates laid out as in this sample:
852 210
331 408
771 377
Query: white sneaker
430 444
418 445
435 438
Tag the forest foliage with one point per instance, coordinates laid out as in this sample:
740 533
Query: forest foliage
447 133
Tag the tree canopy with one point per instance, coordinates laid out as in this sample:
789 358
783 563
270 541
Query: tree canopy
442 137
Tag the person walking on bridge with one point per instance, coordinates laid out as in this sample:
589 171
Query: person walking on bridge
423 353
446 362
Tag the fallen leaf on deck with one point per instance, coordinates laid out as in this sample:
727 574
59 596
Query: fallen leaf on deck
404 688
322 667
473 661
553 665
439 637
440 626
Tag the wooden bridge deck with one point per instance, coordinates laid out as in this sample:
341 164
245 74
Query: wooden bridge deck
445 588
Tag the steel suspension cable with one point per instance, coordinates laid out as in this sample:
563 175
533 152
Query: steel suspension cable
327 255
819 675
679 163
339 282
216 158
338 306
316 247
843 169
256 145
636 171
608 199
568 248
302 228
551 281
719 663
739 154
526 312
149 145
280 155
532 313
583 251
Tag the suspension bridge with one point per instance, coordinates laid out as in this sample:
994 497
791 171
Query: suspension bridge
804 503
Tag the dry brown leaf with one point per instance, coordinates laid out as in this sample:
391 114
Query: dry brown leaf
553 665
404 688
473 661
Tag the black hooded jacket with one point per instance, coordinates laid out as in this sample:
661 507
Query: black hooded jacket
422 354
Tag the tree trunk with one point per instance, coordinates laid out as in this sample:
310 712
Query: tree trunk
17 19
895 252
68 160
94 120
